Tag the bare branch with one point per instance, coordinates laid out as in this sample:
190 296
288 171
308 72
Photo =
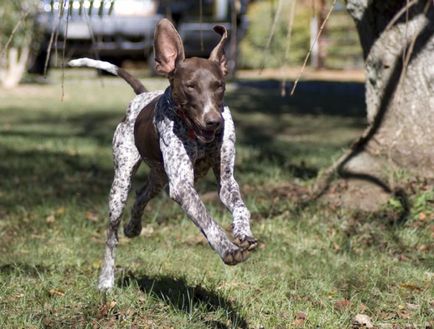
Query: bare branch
21 20
54 31
272 31
64 49
288 45
311 47
403 11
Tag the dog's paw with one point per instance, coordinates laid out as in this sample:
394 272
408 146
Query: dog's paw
131 230
246 243
235 256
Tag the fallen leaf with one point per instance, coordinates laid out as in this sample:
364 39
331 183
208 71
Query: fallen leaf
56 293
104 309
362 321
17 296
141 299
422 216
91 216
60 211
112 304
300 319
402 257
301 316
298 322
410 286
404 314
342 305
423 247
412 307
96 264
147 231
410 326
50 219
387 315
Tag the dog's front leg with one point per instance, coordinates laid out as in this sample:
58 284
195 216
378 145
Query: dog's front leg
180 172
229 190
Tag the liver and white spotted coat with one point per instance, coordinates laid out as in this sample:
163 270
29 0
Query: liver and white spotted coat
184 156
185 160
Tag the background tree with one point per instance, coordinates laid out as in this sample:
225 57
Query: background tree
398 44
16 32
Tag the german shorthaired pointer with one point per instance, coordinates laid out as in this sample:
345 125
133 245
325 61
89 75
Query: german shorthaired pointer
180 133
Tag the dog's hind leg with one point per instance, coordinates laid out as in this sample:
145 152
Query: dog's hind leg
126 161
155 182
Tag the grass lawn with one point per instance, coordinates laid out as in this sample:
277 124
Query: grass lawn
316 266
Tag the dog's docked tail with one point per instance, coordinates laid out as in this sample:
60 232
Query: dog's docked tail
111 68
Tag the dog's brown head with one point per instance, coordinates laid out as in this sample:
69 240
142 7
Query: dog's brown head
197 84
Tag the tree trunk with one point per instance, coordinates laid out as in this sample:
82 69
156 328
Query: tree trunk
398 48
13 66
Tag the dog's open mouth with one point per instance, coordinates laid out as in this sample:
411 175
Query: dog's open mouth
204 135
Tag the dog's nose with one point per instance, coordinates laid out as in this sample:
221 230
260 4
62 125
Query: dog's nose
213 120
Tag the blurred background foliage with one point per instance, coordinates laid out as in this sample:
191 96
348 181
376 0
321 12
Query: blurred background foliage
11 13
342 43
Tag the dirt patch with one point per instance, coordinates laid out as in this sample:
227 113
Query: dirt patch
289 191
356 195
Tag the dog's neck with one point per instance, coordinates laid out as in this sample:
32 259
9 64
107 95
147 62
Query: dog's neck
173 108
168 99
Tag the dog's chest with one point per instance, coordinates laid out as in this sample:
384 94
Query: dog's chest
206 156
209 150
201 156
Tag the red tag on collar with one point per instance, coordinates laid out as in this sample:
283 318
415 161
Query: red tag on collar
191 133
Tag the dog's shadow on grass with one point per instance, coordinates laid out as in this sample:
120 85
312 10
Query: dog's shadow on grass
177 293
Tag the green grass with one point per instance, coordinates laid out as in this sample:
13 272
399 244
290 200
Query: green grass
55 174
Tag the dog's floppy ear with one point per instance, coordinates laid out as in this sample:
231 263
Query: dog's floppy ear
218 53
168 47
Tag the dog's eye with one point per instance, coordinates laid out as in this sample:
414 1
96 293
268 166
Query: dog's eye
191 86
218 86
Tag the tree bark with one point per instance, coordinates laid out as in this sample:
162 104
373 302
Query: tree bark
400 80
397 39
13 66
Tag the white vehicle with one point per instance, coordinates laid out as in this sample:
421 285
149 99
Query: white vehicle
115 30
